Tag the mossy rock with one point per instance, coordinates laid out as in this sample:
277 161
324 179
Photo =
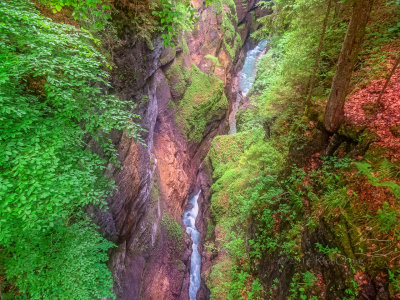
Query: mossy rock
219 205
364 141
155 192
179 77
203 102
180 265
231 38
226 148
220 278
174 233
351 131
314 113
168 55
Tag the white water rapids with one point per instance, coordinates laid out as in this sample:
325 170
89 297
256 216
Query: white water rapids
249 70
246 79
189 220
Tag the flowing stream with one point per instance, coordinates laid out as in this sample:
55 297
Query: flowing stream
246 79
249 70
189 220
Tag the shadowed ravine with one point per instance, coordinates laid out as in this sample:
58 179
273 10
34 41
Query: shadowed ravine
180 84
246 80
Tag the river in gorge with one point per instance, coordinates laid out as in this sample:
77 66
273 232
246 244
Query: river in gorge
246 80
189 220
249 70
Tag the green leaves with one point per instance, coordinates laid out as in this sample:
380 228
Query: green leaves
395 28
83 10
68 263
52 102
174 16
365 169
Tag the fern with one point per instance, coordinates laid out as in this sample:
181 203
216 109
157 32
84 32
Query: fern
388 169
365 169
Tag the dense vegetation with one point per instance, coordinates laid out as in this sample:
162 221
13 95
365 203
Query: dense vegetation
280 203
53 100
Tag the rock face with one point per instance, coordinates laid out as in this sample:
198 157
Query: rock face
151 260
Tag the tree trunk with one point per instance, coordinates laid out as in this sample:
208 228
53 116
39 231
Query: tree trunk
318 57
396 63
334 112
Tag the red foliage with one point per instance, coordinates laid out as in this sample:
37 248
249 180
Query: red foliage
362 110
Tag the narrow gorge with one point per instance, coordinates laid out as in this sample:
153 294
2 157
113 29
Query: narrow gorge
199 149
185 95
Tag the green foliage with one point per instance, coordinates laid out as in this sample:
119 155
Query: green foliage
244 168
238 282
301 286
247 188
64 262
52 101
174 15
396 27
213 59
262 207
286 69
83 10
232 40
331 252
388 217
218 280
247 119
394 279
256 290
352 292
379 33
